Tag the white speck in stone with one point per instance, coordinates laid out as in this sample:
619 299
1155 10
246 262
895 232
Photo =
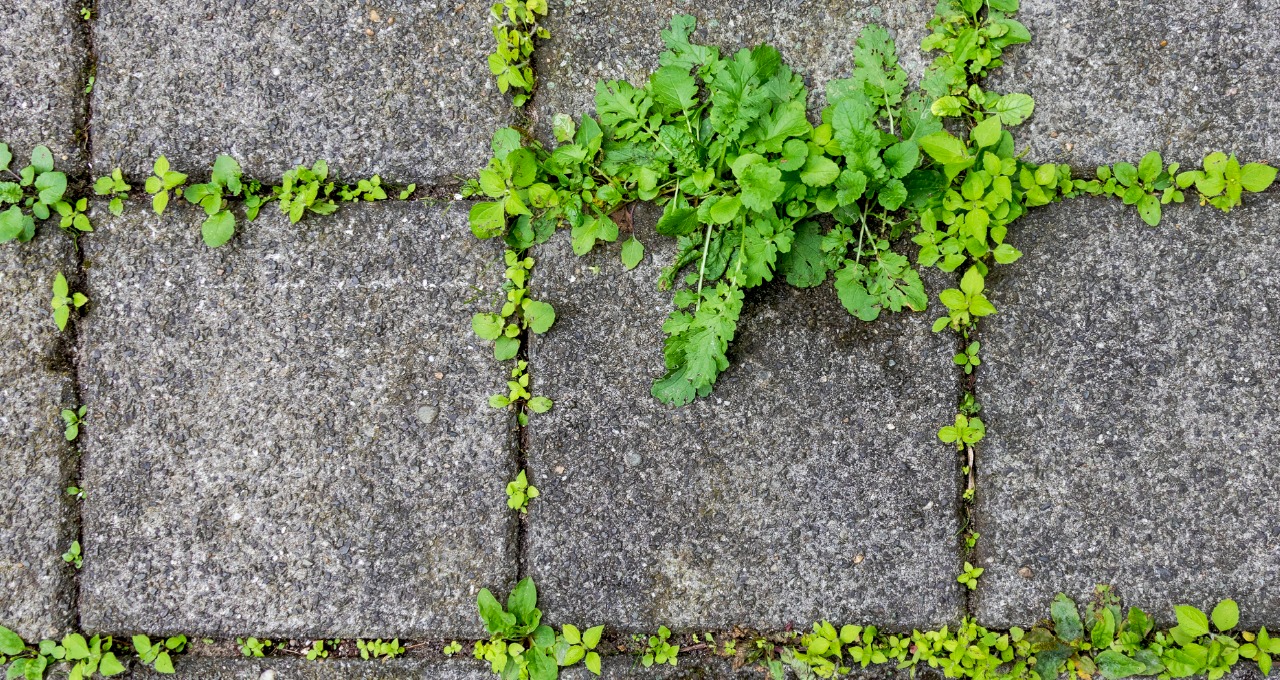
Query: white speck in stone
888 426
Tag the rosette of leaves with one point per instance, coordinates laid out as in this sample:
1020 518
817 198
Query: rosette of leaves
37 193
304 189
113 185
521 646
161 182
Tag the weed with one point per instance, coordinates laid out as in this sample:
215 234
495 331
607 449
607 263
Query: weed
64 302
72 556
659 650
161 182
73 419
452 648
968 359
377 649
969 577
521 646
515 26
520 492
158 655
253 647
113 185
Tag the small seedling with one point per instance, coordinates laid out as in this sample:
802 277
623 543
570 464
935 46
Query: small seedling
219 224
659 650
969 578
971 540
377 649
62 303
253 647
517 313
408 191
159 655
73 419
518 393
515 27
161 183
317 651
968 359
304 189
115 187
365 190
88 87
966 431
452 648
520 492
72 556
76 492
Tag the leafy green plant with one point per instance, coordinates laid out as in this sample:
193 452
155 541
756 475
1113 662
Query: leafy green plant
158 655
72 420
319 650
86 13
969 577
515 26
969 359
520 646
63 301
76 492
659 650
965 432
73 217
519 311
452 648
518 395
520 492
37 193
377 649
1147 186
971 540
365 190
161 182
219 224
407 192
304 189
86 658
1222 180
253 647
113 185
72 556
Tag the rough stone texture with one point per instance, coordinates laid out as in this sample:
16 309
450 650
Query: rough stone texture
36 517
1133 412
292 435
710 668
751 507
333 669
594 40
279 84
43 57
1104 84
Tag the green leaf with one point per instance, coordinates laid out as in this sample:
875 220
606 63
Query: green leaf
945 148
1115 665
226 172
523 599
1191 620
1149 209
600 228
696 343
42 159
541 666
75 645
487 219
986 133
591 637
1257 177
1066 618
820 171
902 158
11 224
218 228
10 643
1150 166
5 157
141 644
505 348
496 620
539 315
164 664
724 210
1006 254
51 187
806 264
632 253
1014 108
110 665
540 404
593 662
1226 615
761 185
487 326
677 221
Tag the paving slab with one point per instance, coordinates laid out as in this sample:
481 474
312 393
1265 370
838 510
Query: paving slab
1114 80
293 437
36 464
1133 412
43 58
332 669
808 486
396 87
593 40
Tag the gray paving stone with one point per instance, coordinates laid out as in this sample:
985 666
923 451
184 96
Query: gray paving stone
332 669
261 463
36 465
1133 412
810 485
1104 85
43 57
408 96
616 39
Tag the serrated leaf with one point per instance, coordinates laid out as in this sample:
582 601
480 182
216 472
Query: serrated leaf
819 171
1066 617
1192 621
1014 108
